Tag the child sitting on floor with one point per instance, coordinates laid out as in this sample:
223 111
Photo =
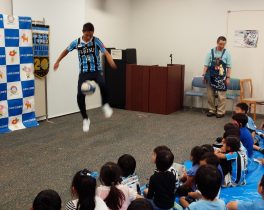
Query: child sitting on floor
232 162
48 200
208 180
208 158
83 190
243 108
127 164
174 170
252 205
188 179
161 188
245 136
116 196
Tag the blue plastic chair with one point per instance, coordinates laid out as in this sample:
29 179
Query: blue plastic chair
197 82
233 90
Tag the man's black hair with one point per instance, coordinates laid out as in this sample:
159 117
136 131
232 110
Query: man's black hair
221 38
208 180
127 163
88 27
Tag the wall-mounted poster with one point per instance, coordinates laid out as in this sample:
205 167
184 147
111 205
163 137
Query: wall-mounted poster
246 38
40 35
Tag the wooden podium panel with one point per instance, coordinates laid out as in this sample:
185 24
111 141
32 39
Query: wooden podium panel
137 88
158 80
175 87
155 89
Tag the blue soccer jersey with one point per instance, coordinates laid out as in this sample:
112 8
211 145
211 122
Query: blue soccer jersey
88 53
238 167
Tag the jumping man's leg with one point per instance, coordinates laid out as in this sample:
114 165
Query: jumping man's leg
108 111
81 103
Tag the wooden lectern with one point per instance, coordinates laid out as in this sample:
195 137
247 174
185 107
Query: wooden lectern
155 89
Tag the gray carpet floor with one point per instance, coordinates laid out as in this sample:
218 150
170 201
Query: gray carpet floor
48 156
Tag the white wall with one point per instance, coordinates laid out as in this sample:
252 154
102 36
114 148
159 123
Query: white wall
66 18
65 25
111 19
186 28
5 7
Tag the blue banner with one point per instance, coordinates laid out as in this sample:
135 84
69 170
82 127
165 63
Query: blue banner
17 107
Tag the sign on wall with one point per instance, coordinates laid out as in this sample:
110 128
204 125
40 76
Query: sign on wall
16 74
41 50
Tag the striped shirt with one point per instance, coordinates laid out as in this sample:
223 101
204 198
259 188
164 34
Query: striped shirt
238 168
88 54
99 204
131 181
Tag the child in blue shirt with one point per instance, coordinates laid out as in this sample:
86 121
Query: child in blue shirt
236 174
188 179
252 205
208 180
241 121
256 134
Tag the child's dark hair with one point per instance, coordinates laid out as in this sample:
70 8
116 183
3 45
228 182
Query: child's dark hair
110 176
85 187
47 200
243 107
229 126
164 160
211 159
241 119
140 204
88 27
207 148
161 148
127 164
196 154
208 180
232 132
233 142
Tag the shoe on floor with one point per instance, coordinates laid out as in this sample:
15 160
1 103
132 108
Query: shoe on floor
210 114
108 111
219 115
86 125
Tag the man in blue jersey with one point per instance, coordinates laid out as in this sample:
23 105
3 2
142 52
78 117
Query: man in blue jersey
216 72
89 48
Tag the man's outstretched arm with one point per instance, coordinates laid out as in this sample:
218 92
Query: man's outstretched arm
62 55
110 60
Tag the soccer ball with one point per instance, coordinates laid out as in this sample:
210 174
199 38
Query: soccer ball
88 87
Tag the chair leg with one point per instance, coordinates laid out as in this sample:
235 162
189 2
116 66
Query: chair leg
255 111
202 105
